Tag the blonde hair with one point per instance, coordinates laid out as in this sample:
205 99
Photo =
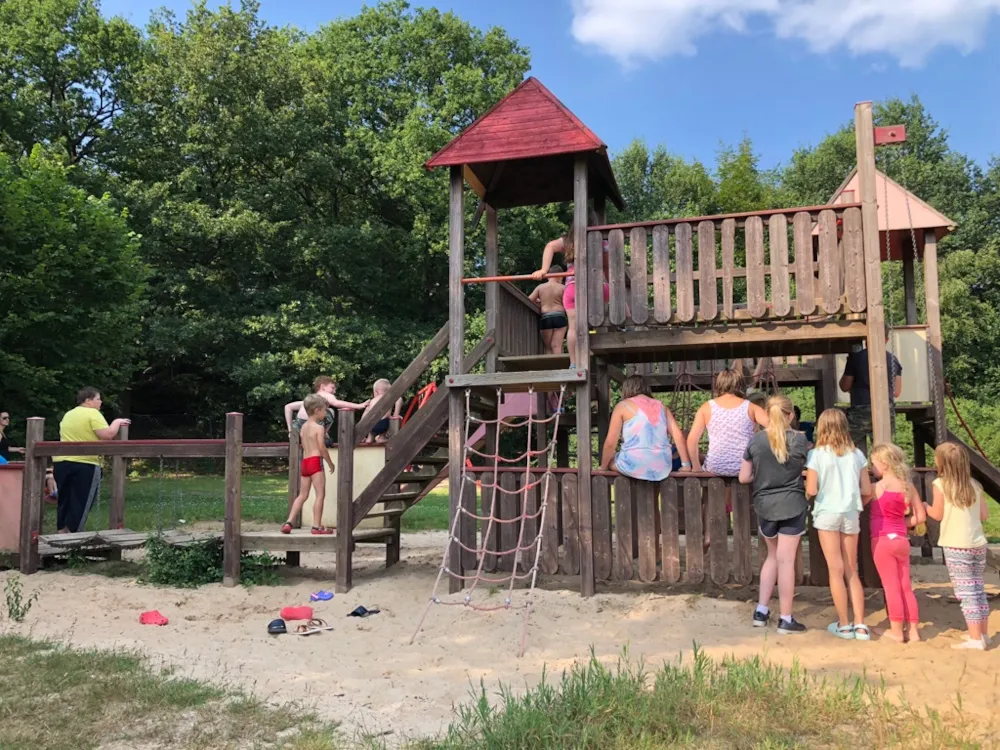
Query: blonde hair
313 403
956 475
635 385
832 432
568 248
779 412
729 381
383 383
895 460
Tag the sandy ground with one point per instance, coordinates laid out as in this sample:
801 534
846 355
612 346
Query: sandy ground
366 675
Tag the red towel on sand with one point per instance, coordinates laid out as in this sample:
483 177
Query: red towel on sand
152 618
297 613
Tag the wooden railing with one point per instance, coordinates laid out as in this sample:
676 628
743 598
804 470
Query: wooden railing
727 268
517 323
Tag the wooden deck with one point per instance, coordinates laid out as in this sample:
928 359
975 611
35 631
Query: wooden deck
50 545
302 540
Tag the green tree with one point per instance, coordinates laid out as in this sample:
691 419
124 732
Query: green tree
70 286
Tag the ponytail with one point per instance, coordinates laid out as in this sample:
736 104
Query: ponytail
779 413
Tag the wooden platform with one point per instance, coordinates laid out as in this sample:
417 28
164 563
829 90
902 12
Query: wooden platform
50 545
518 382
302 540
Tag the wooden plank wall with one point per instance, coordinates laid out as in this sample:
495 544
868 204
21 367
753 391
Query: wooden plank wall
517 323
776 265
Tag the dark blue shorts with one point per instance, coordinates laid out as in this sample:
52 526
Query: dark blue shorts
788 527
381 427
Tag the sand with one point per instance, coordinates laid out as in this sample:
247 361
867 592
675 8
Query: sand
367 676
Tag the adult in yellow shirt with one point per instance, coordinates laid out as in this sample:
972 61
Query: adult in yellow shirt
79 477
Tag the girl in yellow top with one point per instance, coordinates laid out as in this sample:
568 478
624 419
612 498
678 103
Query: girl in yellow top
958 505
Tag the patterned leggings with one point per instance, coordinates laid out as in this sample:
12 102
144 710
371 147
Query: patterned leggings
965 568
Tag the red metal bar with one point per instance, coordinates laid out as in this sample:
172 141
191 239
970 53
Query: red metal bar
720 217
519 277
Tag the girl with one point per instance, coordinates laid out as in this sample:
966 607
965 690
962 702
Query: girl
730 420
773 462
958 505
647 426
894 496
565 246
837 476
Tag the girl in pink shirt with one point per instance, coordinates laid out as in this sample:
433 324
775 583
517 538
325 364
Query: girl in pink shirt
894 497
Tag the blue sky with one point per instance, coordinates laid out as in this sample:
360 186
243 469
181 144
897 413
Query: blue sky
694 74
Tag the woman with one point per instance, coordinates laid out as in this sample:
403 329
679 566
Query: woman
731 421
773 463
644 423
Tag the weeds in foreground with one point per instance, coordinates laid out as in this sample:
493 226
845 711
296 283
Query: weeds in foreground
18 605
745 703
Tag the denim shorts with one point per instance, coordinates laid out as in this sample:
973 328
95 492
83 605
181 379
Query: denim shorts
845 523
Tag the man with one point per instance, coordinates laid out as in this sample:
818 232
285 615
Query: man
855 381
78 478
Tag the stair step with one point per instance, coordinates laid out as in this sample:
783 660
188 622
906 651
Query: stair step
372 536
438 441
391 497
429 460
388 513
417 476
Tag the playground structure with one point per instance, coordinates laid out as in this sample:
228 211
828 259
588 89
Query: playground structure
788 290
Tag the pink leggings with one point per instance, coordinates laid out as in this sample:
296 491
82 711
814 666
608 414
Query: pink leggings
892 558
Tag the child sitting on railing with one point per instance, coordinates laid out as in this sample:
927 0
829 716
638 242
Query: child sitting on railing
380 432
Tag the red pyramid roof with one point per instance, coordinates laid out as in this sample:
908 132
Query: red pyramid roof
529 122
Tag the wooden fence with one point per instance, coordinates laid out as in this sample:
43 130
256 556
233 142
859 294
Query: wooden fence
727 268
517 323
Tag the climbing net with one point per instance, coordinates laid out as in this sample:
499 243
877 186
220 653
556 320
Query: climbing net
491 521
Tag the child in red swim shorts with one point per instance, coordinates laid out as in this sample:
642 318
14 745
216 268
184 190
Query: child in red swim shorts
314 451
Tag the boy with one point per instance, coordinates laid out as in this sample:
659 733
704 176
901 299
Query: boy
314 452
553 322
325 388
380 432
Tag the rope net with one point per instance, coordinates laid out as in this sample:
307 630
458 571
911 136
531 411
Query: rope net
523 551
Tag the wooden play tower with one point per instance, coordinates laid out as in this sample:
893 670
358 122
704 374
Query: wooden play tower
799 285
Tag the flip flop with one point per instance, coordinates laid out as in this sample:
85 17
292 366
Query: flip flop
866 635
316 624
846 632
321 596
304 630
277 627
363 612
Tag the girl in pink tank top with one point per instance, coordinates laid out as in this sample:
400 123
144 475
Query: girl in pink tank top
893 499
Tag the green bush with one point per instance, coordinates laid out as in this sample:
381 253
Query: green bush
201 563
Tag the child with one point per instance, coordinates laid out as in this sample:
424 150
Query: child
553 322
325 388
773 463
836 476
314 452
894 496
380 432
806 428
958 505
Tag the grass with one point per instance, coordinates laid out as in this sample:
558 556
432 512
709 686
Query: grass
165 500
53 697
701 703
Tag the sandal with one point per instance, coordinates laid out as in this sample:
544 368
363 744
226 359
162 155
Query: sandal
317 625
286 529
323 530
846 631
304 630
862 633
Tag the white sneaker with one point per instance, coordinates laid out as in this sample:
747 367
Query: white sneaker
975 644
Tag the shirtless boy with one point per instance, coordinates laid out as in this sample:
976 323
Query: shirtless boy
325 388
314 452
553 322
380 432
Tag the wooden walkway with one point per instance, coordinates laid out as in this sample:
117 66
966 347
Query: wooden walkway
50 545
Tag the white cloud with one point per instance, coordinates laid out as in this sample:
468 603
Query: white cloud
635 30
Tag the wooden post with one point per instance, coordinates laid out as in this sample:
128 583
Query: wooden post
935 363
232 546
541 429
909 288
345 499
878 375
562 447
293 559
827 389
31 496
456 347
493 289
584 448
603 380
119 472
